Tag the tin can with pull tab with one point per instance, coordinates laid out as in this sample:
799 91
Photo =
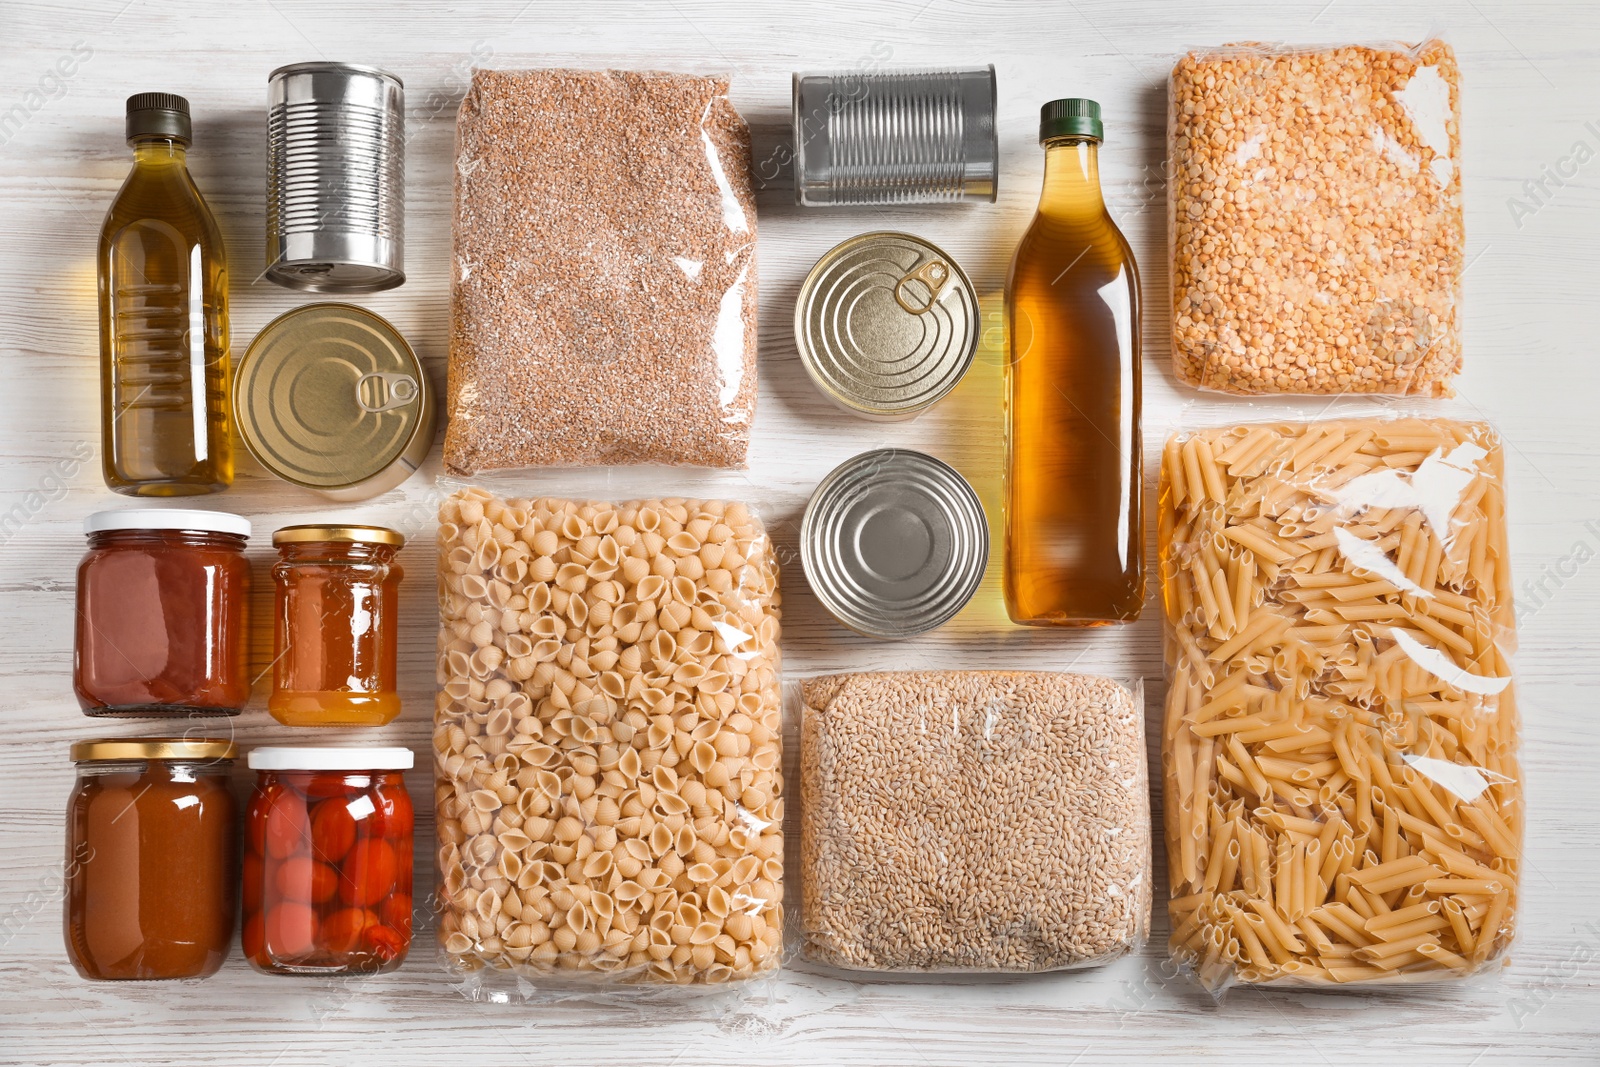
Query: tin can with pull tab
330 397
886 325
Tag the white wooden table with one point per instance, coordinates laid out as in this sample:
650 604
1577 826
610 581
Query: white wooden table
1532 94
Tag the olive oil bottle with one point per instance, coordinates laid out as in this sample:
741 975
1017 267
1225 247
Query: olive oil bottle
163 318
1074 553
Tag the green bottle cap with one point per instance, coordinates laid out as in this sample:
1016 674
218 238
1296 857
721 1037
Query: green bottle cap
1073 117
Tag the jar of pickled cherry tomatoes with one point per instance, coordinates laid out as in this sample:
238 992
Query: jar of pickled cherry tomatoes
326 877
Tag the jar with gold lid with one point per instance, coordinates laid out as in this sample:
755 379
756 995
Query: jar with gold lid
337 628
151 858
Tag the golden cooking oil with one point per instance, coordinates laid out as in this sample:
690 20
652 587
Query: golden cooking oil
163 318
1074 551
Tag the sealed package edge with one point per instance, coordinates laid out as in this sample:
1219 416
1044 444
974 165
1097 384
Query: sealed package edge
604 291
1343 800
608 741
1314 208
973 821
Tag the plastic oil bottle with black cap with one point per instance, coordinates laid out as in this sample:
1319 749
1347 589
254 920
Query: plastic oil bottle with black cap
163 318
1074 541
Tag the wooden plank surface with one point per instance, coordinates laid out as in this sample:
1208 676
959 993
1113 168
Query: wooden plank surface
1532 92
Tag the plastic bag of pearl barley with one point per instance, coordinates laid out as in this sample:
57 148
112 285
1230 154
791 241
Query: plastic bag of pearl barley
608 744
977 821
1314 208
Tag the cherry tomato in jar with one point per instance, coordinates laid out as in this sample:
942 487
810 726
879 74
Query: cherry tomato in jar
367 874
252 878
394 818
395 911
384 942
251 939
341 931
303 878
291 930
327 785
287 829
333 829
255 815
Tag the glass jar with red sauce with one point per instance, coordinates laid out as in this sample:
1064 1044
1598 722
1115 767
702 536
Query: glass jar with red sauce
338 622
151 858
327 864
163 598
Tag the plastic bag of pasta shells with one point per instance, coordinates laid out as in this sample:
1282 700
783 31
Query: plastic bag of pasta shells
1314 210
1343 800
608 742
973 821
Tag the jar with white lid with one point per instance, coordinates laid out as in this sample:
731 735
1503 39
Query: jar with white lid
163 599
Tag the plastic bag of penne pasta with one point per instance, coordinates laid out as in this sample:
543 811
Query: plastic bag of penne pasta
1340 745
608 744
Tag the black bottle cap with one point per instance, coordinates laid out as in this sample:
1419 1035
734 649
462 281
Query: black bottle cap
159 115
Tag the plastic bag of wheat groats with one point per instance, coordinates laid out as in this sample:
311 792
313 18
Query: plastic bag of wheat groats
604 293
973 821
608 743
1314 208
1343 802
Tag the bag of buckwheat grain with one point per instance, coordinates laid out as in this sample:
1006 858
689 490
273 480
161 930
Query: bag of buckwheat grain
604 289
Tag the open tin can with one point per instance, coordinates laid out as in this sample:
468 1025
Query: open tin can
894 543
330 397
886 325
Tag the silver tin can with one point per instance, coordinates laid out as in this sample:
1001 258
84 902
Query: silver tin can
335 178
894 543
909 137
886 324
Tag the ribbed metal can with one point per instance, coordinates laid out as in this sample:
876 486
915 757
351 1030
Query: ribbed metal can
335 178
886 325
894 543
907 137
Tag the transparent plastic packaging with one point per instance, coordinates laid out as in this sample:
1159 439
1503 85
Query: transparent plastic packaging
1314 208
604 303
1343 801
608 739
973 821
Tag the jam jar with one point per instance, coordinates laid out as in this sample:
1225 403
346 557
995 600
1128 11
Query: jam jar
327 865
338 620
151 858
163 596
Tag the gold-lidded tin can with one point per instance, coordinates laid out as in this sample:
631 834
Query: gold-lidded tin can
886 324
894 543
330 397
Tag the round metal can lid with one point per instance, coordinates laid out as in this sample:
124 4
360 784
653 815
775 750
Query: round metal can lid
368 535
329 395
886 324
330 758
894 543
167 519
145 748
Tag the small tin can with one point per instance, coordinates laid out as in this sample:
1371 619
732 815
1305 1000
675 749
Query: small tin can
905 137
894 543
332 398
886 325
335 178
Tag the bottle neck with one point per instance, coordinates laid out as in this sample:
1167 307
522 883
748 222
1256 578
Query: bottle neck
1071 177
159 152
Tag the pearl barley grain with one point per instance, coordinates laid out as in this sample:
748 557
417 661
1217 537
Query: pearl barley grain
623 788
973 820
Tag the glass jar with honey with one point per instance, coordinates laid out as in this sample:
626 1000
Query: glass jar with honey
338 618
